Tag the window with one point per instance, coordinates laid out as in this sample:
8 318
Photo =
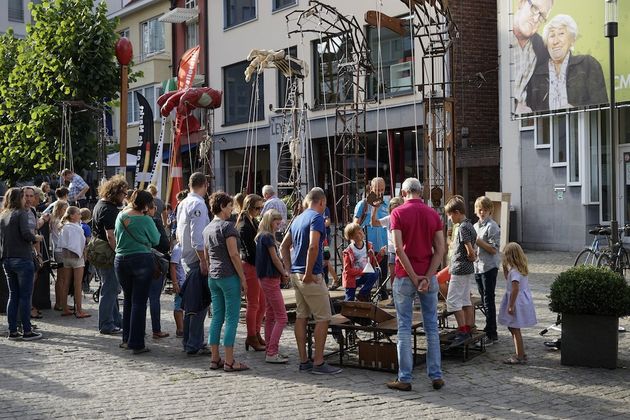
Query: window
281 4
559 141
152 33
527 124
282 80
238 95
151 93
239 11
333 73
190 4
543 133
593 147
192 34
16 10
624 125
394 69
573 174
604 167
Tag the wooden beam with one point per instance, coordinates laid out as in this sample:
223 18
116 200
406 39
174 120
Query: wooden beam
373 18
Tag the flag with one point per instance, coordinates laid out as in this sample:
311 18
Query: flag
145 143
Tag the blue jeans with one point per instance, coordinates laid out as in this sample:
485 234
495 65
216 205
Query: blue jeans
108 310
404 293
487 283
226 307
135 273
19 273
193 321
154 303
366 281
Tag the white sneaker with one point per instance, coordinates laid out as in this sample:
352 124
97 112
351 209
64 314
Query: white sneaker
276 358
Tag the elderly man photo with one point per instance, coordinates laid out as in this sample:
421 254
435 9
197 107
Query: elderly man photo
527 47
273 202
305 263
419 242
376 235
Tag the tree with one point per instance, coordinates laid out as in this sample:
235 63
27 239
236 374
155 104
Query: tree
68 55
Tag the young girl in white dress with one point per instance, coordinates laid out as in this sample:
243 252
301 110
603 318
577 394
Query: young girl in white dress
517 307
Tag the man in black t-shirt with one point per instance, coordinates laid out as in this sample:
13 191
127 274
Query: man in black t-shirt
112 193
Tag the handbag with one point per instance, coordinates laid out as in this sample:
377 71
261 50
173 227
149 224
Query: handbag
99 253
160 263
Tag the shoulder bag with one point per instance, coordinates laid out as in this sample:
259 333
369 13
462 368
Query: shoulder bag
161 264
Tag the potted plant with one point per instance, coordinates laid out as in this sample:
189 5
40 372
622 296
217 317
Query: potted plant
591 300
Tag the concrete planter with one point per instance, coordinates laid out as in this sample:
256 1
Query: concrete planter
589 340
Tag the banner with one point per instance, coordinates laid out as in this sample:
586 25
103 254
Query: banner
185 78
146 151
559 56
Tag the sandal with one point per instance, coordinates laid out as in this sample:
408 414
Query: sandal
230 368
515 360
160 334
218 364
67 313
81 315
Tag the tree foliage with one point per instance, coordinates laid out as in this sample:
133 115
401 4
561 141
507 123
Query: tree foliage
68 55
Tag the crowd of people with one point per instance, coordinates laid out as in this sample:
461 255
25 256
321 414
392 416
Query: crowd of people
216 249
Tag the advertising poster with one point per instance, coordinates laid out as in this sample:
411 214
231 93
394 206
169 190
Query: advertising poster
560 56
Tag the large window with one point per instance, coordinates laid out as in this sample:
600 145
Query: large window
559 141
281 4
573 144
593 147
333 71
239 11
543 133
192 34
282 79
152 32
392 61
240 94
151 93
16 10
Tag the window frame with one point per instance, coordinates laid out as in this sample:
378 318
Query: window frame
539 132
157 91
18 7
144 55
227 98
190 4
292 52
191 22
275 8
317 94
575 159
226 25
552 150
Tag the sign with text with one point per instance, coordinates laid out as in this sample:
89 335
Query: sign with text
559 56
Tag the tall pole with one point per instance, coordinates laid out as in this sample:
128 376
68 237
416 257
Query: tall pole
124 53
611 31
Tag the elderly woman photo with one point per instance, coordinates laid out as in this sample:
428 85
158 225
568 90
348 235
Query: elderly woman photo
565 80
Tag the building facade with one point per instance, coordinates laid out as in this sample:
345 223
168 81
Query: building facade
394 111
557 164
15 14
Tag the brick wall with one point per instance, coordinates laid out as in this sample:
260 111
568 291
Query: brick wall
476 101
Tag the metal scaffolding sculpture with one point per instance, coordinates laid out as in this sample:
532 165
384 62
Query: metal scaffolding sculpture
345 63
436 31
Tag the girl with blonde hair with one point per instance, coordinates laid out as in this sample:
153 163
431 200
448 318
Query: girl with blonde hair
72 245
517 307
58 210
271 273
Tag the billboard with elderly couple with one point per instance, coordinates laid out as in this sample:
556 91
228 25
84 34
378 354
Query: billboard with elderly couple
560 56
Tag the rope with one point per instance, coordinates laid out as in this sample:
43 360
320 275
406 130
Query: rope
415 112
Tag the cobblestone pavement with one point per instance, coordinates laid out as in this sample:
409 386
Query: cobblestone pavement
76 373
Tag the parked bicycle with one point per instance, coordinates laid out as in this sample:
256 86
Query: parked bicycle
617 258
591 254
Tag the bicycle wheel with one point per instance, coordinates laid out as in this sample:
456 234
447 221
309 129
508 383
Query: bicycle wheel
586 257
624 260
604 260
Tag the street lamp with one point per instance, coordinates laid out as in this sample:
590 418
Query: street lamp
611 31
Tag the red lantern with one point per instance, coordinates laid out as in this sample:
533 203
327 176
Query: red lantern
124 51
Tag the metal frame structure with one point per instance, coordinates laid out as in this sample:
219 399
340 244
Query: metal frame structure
343 78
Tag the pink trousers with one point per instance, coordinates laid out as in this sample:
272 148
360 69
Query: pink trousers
276 316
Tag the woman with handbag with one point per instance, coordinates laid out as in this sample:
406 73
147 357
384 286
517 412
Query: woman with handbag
16 240
134 263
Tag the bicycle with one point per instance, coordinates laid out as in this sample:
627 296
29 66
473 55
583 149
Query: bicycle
617 258
590 254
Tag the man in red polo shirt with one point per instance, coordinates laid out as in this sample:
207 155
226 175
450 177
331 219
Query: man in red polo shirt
420 246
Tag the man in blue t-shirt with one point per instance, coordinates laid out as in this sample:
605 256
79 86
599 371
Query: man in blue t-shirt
305 264
376 235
